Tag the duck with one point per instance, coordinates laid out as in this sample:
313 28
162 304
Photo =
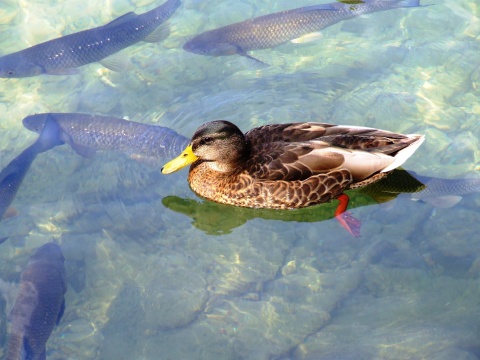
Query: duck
291 165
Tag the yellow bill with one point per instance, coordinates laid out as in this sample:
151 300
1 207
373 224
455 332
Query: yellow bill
186 158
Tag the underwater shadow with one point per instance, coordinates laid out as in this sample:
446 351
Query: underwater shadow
217 219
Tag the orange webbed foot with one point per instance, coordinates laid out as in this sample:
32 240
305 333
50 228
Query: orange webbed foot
345 218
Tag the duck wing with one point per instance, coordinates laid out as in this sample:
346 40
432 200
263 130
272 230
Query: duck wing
297 151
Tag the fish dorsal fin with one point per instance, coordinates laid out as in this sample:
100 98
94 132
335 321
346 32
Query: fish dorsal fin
122 19
159 34
116 62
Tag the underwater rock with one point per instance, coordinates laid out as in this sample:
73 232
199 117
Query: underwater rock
77 330
244 260
126 315
462 239
8 13
173 297
475 79
400 314
289 309
462 152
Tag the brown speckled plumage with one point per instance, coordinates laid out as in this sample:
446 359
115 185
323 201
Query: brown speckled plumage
284 166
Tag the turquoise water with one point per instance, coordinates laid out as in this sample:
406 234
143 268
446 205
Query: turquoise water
147 281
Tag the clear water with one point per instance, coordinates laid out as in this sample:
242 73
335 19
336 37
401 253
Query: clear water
147 281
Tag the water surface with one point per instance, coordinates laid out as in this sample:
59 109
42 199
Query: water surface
148 282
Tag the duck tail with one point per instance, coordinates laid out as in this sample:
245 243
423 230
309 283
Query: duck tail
405 153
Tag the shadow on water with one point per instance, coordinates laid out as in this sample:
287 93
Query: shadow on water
216 219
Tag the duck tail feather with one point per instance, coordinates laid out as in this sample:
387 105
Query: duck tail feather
405 153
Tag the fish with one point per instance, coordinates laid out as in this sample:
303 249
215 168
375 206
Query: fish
439 192
296 25
87 134
40 304
444 193
12 175
62 56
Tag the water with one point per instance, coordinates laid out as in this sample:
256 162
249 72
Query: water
147 281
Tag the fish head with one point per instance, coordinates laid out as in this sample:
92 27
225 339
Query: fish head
35 122
210 45
15 66
50 252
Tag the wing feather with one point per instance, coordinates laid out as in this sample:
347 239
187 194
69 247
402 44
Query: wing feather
297 151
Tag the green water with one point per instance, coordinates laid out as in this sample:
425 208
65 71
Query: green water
147 281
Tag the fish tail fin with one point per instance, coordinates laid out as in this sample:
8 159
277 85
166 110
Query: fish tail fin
50 135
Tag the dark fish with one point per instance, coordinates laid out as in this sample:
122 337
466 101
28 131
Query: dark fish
438 192
40 304
274 29
63 55
88 133
444 192
12 175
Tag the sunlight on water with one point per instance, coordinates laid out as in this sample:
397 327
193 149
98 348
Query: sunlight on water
155 272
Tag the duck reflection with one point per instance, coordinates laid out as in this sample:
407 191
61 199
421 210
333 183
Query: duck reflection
216 219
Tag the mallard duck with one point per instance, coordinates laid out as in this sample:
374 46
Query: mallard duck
288 166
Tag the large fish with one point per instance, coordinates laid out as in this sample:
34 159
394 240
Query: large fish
12 175
39 305
63 55
438 192
444 192
274 29
88 133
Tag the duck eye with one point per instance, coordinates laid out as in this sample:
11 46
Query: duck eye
10 72
206 140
